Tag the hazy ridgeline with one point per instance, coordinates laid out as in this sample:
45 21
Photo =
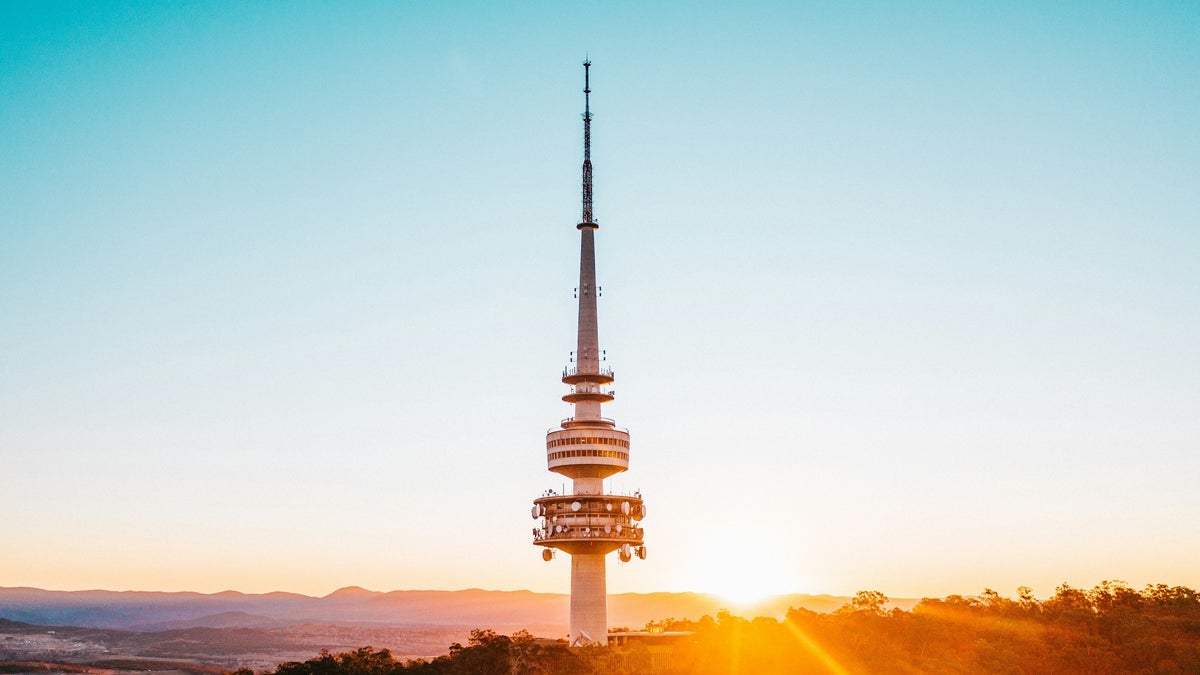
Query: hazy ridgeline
541 613
1110 629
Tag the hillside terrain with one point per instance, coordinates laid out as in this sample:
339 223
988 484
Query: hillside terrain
140 630
545 613
207 649
1110 629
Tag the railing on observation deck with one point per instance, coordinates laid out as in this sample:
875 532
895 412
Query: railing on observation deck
578 390
630 533
636 494
569 371
608 421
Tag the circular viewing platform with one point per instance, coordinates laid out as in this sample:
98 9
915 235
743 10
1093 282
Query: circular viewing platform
573 376
595 451
588 523
588 422
588 392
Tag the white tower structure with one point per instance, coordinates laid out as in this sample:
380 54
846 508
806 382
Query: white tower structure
589 523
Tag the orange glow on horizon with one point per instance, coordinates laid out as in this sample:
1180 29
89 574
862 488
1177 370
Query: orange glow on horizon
814 648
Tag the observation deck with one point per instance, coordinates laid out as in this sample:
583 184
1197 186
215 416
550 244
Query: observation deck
587 450
599 523
588 422
588 392
573 376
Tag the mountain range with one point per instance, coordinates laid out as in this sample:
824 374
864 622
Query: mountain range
502 610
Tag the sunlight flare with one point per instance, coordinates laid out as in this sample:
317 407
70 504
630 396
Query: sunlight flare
745 580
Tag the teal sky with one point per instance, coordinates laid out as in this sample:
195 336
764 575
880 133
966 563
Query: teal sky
900 297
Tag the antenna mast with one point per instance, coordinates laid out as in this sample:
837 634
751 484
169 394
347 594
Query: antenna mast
587 143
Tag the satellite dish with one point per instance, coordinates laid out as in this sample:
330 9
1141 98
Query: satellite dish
575 506
619 528
535 513
608 506
625 508
541 509
607 529
623 556
587 530
641 510
547 554
558 528
625 551
641 552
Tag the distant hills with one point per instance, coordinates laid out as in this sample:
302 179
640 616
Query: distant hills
502 610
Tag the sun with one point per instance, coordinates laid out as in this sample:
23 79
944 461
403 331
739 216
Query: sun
745 591
743 581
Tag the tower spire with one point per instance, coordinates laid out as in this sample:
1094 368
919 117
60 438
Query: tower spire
587 145
588 336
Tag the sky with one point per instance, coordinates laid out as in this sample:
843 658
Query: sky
899 296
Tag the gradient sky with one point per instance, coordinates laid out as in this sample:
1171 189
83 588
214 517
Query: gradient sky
899 297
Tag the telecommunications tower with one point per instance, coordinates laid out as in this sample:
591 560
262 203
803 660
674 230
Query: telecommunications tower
588 523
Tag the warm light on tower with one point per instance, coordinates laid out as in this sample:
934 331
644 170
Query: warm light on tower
588 524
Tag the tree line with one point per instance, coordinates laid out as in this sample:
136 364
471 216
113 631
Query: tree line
1111 628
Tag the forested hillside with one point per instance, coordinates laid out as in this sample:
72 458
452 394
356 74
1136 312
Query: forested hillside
1111 628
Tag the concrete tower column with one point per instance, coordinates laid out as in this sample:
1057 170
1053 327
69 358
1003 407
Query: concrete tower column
587 350
589 599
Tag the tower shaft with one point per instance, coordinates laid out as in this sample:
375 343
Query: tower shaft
587 353
589 598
